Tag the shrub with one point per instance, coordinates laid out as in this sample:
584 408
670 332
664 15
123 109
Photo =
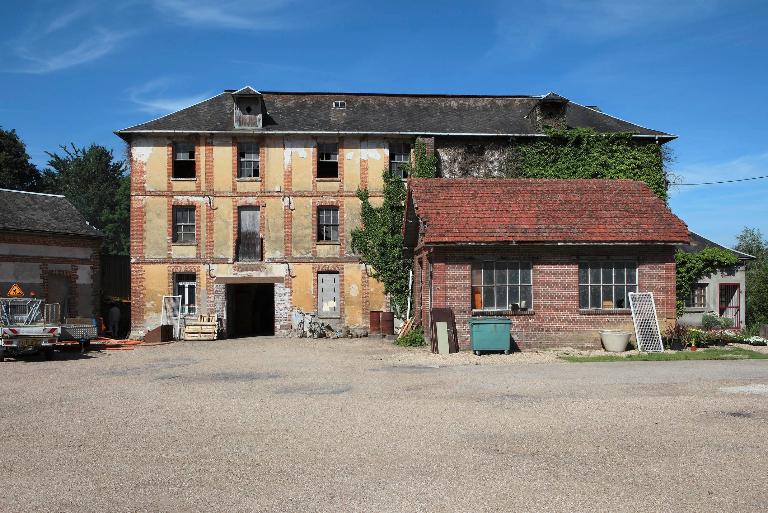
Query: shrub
712 322
413 338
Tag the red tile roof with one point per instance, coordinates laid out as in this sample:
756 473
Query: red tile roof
532 210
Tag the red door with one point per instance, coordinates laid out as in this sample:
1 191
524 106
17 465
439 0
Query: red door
730 303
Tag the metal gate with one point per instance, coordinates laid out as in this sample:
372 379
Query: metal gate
730 303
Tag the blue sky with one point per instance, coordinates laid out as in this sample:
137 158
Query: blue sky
76 71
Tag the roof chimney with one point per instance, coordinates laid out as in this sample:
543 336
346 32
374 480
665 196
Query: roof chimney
550 111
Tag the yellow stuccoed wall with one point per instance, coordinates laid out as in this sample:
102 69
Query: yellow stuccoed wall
280 155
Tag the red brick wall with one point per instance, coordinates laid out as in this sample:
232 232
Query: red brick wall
555 319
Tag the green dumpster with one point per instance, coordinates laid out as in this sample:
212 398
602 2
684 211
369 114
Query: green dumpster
490 334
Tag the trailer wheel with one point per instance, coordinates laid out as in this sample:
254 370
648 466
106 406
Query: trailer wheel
87 345
48 353
2 355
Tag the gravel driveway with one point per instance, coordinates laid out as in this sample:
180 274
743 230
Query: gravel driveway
359 425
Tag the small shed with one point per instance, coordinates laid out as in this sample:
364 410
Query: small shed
557 257
722 293
48 250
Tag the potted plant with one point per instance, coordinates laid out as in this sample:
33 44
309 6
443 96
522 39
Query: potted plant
615 341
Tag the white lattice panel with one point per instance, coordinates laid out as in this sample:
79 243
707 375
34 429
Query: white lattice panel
646 322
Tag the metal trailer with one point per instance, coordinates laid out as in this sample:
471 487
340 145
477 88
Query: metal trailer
79 332
25 327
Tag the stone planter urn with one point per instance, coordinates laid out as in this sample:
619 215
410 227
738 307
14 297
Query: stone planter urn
615 341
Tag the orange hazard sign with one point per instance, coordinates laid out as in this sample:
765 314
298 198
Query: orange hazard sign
15 291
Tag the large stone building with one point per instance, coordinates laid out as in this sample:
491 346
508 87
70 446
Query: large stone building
49 251
244 204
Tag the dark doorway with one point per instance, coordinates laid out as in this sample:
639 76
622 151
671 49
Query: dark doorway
251 309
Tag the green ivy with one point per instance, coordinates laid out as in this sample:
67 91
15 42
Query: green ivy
582 153
379 240
691 267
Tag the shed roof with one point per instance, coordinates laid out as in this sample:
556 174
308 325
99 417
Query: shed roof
375 113
699 242
483 211
42 213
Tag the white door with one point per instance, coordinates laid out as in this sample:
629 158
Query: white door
328 295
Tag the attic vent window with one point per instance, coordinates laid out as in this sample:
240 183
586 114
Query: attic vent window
339 104
248 109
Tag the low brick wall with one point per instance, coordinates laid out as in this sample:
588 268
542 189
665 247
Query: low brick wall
555 319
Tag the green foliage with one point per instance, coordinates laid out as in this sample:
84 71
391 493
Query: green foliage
735 353
751 241
98 186
713 322
413 338
16 171
691 267
379 241
582 153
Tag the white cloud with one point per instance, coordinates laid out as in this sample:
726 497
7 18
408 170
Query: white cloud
40 59
152 98
234 14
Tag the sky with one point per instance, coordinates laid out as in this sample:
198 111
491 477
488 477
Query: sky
75 71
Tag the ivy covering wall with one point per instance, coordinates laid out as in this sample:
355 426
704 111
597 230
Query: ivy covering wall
691 267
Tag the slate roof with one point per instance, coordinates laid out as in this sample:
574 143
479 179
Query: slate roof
699 242
467 211
46 213
386 114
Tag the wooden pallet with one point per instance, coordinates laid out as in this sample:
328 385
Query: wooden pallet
406 328
206 327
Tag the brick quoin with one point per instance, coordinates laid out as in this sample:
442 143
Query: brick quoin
555 319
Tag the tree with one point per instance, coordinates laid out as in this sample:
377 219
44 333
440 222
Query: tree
751 241
16 171
379 240
97 185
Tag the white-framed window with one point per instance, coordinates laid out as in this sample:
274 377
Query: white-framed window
502 285
327 160
606 284
339 104
248 160
183 224
399 157
328 224
183 160
186 287
698 296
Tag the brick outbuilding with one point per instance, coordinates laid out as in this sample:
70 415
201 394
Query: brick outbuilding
557 256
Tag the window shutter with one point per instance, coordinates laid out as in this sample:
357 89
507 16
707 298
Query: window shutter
249 239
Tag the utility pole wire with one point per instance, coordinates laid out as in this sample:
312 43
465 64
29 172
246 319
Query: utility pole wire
725 181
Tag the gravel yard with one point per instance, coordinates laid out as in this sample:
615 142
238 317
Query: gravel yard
359 425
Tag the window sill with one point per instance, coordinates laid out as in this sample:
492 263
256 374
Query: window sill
337 179
173 179
605 311
184 243
255 179
328 243
695 309
505 313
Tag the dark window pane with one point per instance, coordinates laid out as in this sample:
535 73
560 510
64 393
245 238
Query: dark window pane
607 273
583 296
501 275
594 296
619 299
619 274
514 294
501 298
607 297
631 274
487 273
525 274
594 274
514 274
526 294
489 301
583 274
477 276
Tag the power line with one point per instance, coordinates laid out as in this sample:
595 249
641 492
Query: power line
725 181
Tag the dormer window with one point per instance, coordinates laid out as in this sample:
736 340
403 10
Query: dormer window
339 104
249 108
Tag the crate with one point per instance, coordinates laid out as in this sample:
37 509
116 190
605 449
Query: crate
78 332
206 327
